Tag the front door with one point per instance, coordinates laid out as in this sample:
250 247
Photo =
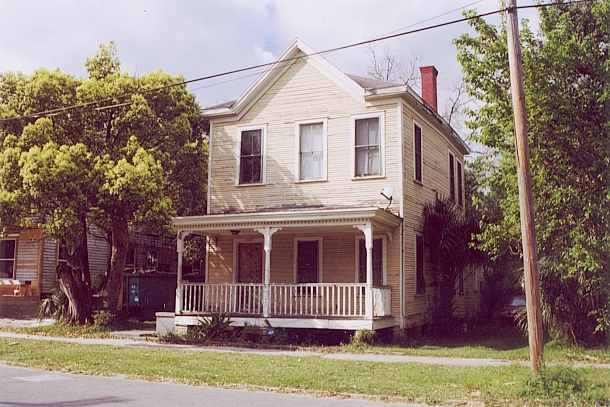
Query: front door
307 261
250 263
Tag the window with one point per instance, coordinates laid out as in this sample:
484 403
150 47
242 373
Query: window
367 146
460 185
62 255
417 146
7 258
152 260
377 261
461 282
307 261
419 264
475 281
251 157
130 261
311 160
451 177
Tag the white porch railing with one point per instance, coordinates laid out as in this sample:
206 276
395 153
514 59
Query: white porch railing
288 300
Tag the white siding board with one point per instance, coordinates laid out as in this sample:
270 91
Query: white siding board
49 263
28 251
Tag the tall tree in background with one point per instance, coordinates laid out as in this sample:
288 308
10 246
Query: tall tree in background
567 86
131 154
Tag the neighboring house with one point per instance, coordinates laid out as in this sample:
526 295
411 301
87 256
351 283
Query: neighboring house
299 234
28 264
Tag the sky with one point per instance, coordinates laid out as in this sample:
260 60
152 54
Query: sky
207 37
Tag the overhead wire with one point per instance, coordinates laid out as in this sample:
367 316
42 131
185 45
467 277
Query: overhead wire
274 63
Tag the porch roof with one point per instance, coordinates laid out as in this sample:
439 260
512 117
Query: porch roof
215 223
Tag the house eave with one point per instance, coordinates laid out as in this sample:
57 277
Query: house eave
315 218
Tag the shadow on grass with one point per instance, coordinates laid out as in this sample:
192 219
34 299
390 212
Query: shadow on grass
500 337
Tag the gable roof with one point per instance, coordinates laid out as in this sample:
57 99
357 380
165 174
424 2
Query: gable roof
360 88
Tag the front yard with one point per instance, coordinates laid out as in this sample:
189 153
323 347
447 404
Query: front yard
512 385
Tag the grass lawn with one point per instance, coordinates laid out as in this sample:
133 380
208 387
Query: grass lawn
501 341
494 386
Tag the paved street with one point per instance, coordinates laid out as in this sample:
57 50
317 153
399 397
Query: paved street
21 387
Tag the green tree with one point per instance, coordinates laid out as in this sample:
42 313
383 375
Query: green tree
131 153
566 80
448 237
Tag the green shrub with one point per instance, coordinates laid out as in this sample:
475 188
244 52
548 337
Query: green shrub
55 306
104 319
364 337
216 327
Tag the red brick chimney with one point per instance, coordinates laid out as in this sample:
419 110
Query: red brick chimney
428 85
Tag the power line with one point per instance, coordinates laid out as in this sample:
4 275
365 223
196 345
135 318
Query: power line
275 63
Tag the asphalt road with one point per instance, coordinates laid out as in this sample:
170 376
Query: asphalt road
21 387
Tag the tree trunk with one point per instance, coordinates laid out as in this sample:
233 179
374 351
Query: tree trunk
75 283
116 275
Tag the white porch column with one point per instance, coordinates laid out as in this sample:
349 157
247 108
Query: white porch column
180 249
367 228
267 232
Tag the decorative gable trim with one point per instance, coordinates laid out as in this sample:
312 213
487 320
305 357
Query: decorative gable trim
295 51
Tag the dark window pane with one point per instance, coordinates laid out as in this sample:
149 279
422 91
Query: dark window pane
418 153
7 249
251 157
6 268
460 186
451 177
419 264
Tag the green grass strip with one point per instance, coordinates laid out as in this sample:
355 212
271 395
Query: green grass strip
512 385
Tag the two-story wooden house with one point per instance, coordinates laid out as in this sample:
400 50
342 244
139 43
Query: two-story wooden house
317 181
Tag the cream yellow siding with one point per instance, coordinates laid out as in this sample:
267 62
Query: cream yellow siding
435 183
301 93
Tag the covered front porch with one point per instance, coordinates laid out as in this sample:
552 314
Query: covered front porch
326 269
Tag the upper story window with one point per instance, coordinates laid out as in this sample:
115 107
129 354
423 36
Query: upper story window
251 156
460 184
311 159
368 145
451 176
418 152
7 258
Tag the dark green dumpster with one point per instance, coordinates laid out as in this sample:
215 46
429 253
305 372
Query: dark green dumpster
146 294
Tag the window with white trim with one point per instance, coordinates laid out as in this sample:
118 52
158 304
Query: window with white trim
311 160
451 176
418 152
7 258
368 146
251 154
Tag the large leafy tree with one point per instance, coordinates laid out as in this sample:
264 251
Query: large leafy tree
567 84
129 154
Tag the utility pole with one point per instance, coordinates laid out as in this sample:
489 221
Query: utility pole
526 201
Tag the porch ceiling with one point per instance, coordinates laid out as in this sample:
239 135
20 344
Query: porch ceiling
311 219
